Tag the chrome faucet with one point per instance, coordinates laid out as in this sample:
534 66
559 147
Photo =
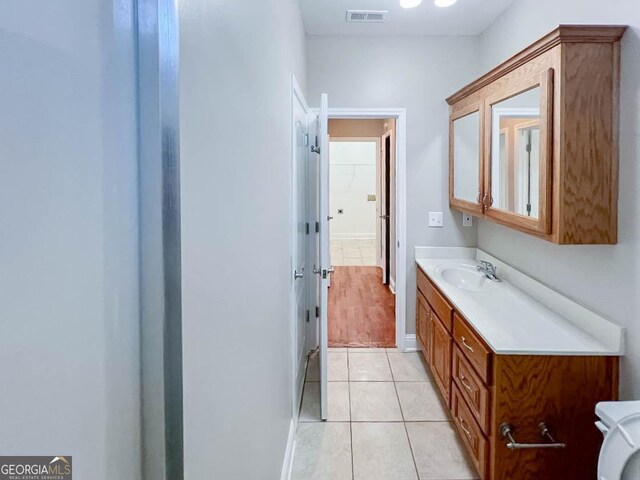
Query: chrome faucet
489 270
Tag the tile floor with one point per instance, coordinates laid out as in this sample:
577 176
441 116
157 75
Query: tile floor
360 253
386 422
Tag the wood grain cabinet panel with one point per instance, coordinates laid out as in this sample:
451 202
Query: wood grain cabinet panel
472 436
478 354
423 319
441 357
472 388
572 197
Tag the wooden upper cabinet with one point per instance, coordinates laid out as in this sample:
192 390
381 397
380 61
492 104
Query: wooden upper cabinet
465 172
534 143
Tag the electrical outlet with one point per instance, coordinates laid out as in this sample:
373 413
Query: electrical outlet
436 219
467 220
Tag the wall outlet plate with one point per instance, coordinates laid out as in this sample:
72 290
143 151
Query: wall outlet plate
436 219
467 220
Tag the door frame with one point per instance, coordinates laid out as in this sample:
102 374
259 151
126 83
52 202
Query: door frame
400 116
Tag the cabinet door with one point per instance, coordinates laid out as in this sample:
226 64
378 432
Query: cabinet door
441 345
465 158
518 152
423 311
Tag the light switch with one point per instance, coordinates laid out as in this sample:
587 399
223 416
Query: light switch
436 219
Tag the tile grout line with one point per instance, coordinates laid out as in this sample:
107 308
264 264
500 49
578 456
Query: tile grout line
350 416
404 422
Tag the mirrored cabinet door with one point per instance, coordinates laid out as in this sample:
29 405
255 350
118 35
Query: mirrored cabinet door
465 181
519 149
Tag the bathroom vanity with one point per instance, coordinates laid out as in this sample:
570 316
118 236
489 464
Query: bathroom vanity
533 144
520 367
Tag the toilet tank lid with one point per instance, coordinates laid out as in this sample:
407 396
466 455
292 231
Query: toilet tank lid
612 412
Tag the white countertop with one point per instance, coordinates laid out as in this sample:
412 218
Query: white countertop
520 316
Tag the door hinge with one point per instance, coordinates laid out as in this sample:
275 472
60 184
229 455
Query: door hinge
316 148
308 315
307 228
306 139
317 312
317 227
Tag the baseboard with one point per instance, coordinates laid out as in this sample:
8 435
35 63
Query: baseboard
410 343
289 452
353 236
392 285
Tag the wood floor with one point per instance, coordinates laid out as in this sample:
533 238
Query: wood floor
361 309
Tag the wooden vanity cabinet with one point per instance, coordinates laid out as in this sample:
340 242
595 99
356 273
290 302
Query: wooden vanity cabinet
534 143
484 389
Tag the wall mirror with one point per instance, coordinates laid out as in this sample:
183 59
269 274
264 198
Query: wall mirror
515 169
465 151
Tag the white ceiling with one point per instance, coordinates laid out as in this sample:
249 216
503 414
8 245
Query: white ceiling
467 17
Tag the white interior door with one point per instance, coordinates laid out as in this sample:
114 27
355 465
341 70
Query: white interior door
301 273
325 260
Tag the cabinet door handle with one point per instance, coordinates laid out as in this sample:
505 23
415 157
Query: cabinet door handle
463 427
467 346
463 379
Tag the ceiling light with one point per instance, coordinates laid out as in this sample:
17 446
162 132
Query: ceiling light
444 3
410 3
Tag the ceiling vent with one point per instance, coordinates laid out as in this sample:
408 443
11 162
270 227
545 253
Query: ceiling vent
366 16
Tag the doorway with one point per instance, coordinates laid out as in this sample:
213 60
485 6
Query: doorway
362 301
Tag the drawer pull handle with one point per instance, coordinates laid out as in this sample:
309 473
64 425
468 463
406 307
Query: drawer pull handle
467 346
507 432
460 419
463 379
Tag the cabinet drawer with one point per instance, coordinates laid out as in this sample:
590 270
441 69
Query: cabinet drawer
474 391
472 436
473 348
436 300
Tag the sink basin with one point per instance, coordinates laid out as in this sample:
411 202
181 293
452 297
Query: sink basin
465 277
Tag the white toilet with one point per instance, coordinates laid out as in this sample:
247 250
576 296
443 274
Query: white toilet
620 453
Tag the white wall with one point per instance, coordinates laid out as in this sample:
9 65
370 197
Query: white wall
235 107
353 178
417 73
69 345
605 278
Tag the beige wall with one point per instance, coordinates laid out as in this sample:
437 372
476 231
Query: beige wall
356 128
